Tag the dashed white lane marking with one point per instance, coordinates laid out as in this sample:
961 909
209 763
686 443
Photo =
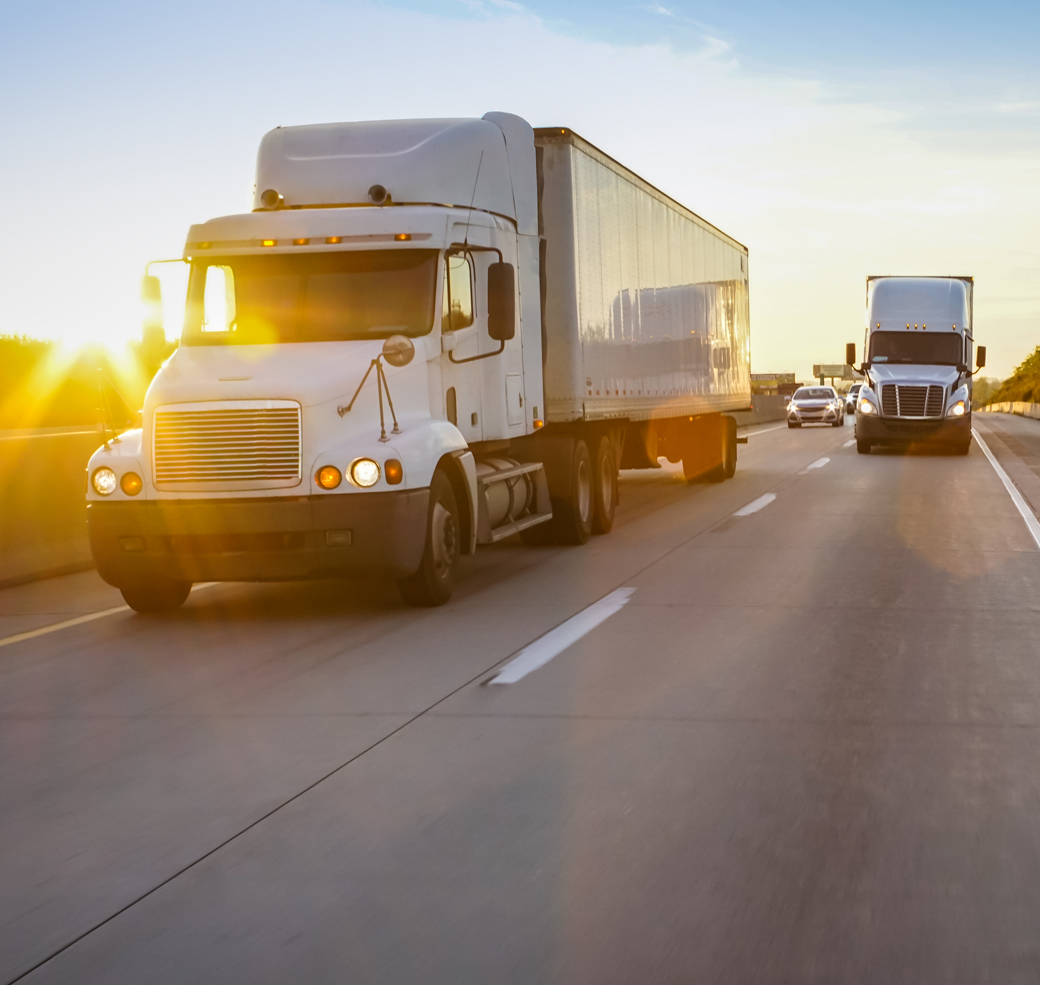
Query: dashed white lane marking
79 620
849 443
542 650
818 464
756 504
1016 497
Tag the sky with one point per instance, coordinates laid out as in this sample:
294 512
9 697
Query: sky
834 140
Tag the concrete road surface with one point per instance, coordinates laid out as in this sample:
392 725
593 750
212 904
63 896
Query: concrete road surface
806 749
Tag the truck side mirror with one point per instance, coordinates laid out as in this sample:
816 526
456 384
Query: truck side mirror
850 354
980 357
152 332
501 301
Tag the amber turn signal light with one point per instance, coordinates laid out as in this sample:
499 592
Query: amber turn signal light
393 471
328 477
131 483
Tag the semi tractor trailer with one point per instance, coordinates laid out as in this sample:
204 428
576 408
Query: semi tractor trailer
917 359
427 335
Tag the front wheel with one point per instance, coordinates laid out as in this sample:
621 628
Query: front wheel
154 594
434 582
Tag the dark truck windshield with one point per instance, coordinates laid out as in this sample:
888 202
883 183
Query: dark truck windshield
922 348
310 297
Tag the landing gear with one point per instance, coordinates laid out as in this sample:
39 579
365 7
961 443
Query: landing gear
155 593
434 582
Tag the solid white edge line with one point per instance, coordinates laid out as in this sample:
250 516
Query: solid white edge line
752 434
79 620
818 464
543 649
1016 497
756 504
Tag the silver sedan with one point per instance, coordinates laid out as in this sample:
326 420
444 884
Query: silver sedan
816 405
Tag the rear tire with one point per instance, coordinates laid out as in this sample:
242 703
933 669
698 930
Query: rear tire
573 510
862 446
728 466
604 479
434 582
154 594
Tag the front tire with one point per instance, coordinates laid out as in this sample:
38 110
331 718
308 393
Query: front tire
150 595
434 582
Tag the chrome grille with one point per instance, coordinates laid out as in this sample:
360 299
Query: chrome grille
259 444
911 401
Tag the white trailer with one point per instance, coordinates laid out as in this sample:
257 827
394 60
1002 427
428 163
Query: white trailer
427 335
917 355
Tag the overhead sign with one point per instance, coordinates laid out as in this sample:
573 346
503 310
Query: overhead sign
772 378
841 371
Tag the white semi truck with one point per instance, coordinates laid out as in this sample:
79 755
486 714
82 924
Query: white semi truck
917 359
427 335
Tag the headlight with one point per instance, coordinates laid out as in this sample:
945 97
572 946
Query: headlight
866 407
957 410
104 481
364 473
130 483
328 477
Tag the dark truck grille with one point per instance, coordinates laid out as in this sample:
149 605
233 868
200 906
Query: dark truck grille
227 445
911 401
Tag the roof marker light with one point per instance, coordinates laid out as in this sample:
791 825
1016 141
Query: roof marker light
333 239
300 242
268 242
203 246
403 237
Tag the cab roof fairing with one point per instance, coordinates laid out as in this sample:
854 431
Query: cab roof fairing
939 303
488 164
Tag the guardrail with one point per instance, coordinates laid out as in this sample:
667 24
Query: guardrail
43 528
1020 407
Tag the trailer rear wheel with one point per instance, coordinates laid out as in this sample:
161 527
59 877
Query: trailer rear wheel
155 594
604 474
728 450
434 582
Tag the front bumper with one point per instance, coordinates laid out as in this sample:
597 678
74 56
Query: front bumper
901 431
260 539
823 416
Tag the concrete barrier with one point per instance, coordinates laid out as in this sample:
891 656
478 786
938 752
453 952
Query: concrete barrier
765 408
43 529
1019 407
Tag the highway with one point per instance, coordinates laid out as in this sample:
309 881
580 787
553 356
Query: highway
802 746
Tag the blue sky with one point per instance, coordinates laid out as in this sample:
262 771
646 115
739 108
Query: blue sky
834 140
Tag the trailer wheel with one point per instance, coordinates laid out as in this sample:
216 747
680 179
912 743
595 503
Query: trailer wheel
155 594
434 582
604 477
730 462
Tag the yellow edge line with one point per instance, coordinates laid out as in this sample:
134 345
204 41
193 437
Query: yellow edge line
79 620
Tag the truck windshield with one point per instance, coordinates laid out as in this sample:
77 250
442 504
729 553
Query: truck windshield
922 348
310 297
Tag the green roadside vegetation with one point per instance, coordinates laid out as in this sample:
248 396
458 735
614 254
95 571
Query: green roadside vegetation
1023 384
46 384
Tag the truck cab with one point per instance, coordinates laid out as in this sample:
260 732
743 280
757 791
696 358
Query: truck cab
918 350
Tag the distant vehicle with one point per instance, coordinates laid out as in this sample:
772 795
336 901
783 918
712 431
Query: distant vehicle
917 363
850 398
816 405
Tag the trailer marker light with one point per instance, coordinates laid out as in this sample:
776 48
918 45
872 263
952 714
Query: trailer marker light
403 237
333 239
364 473
203 246
538 424
131 483
132 545
268 242
328 477
300 242
394 471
